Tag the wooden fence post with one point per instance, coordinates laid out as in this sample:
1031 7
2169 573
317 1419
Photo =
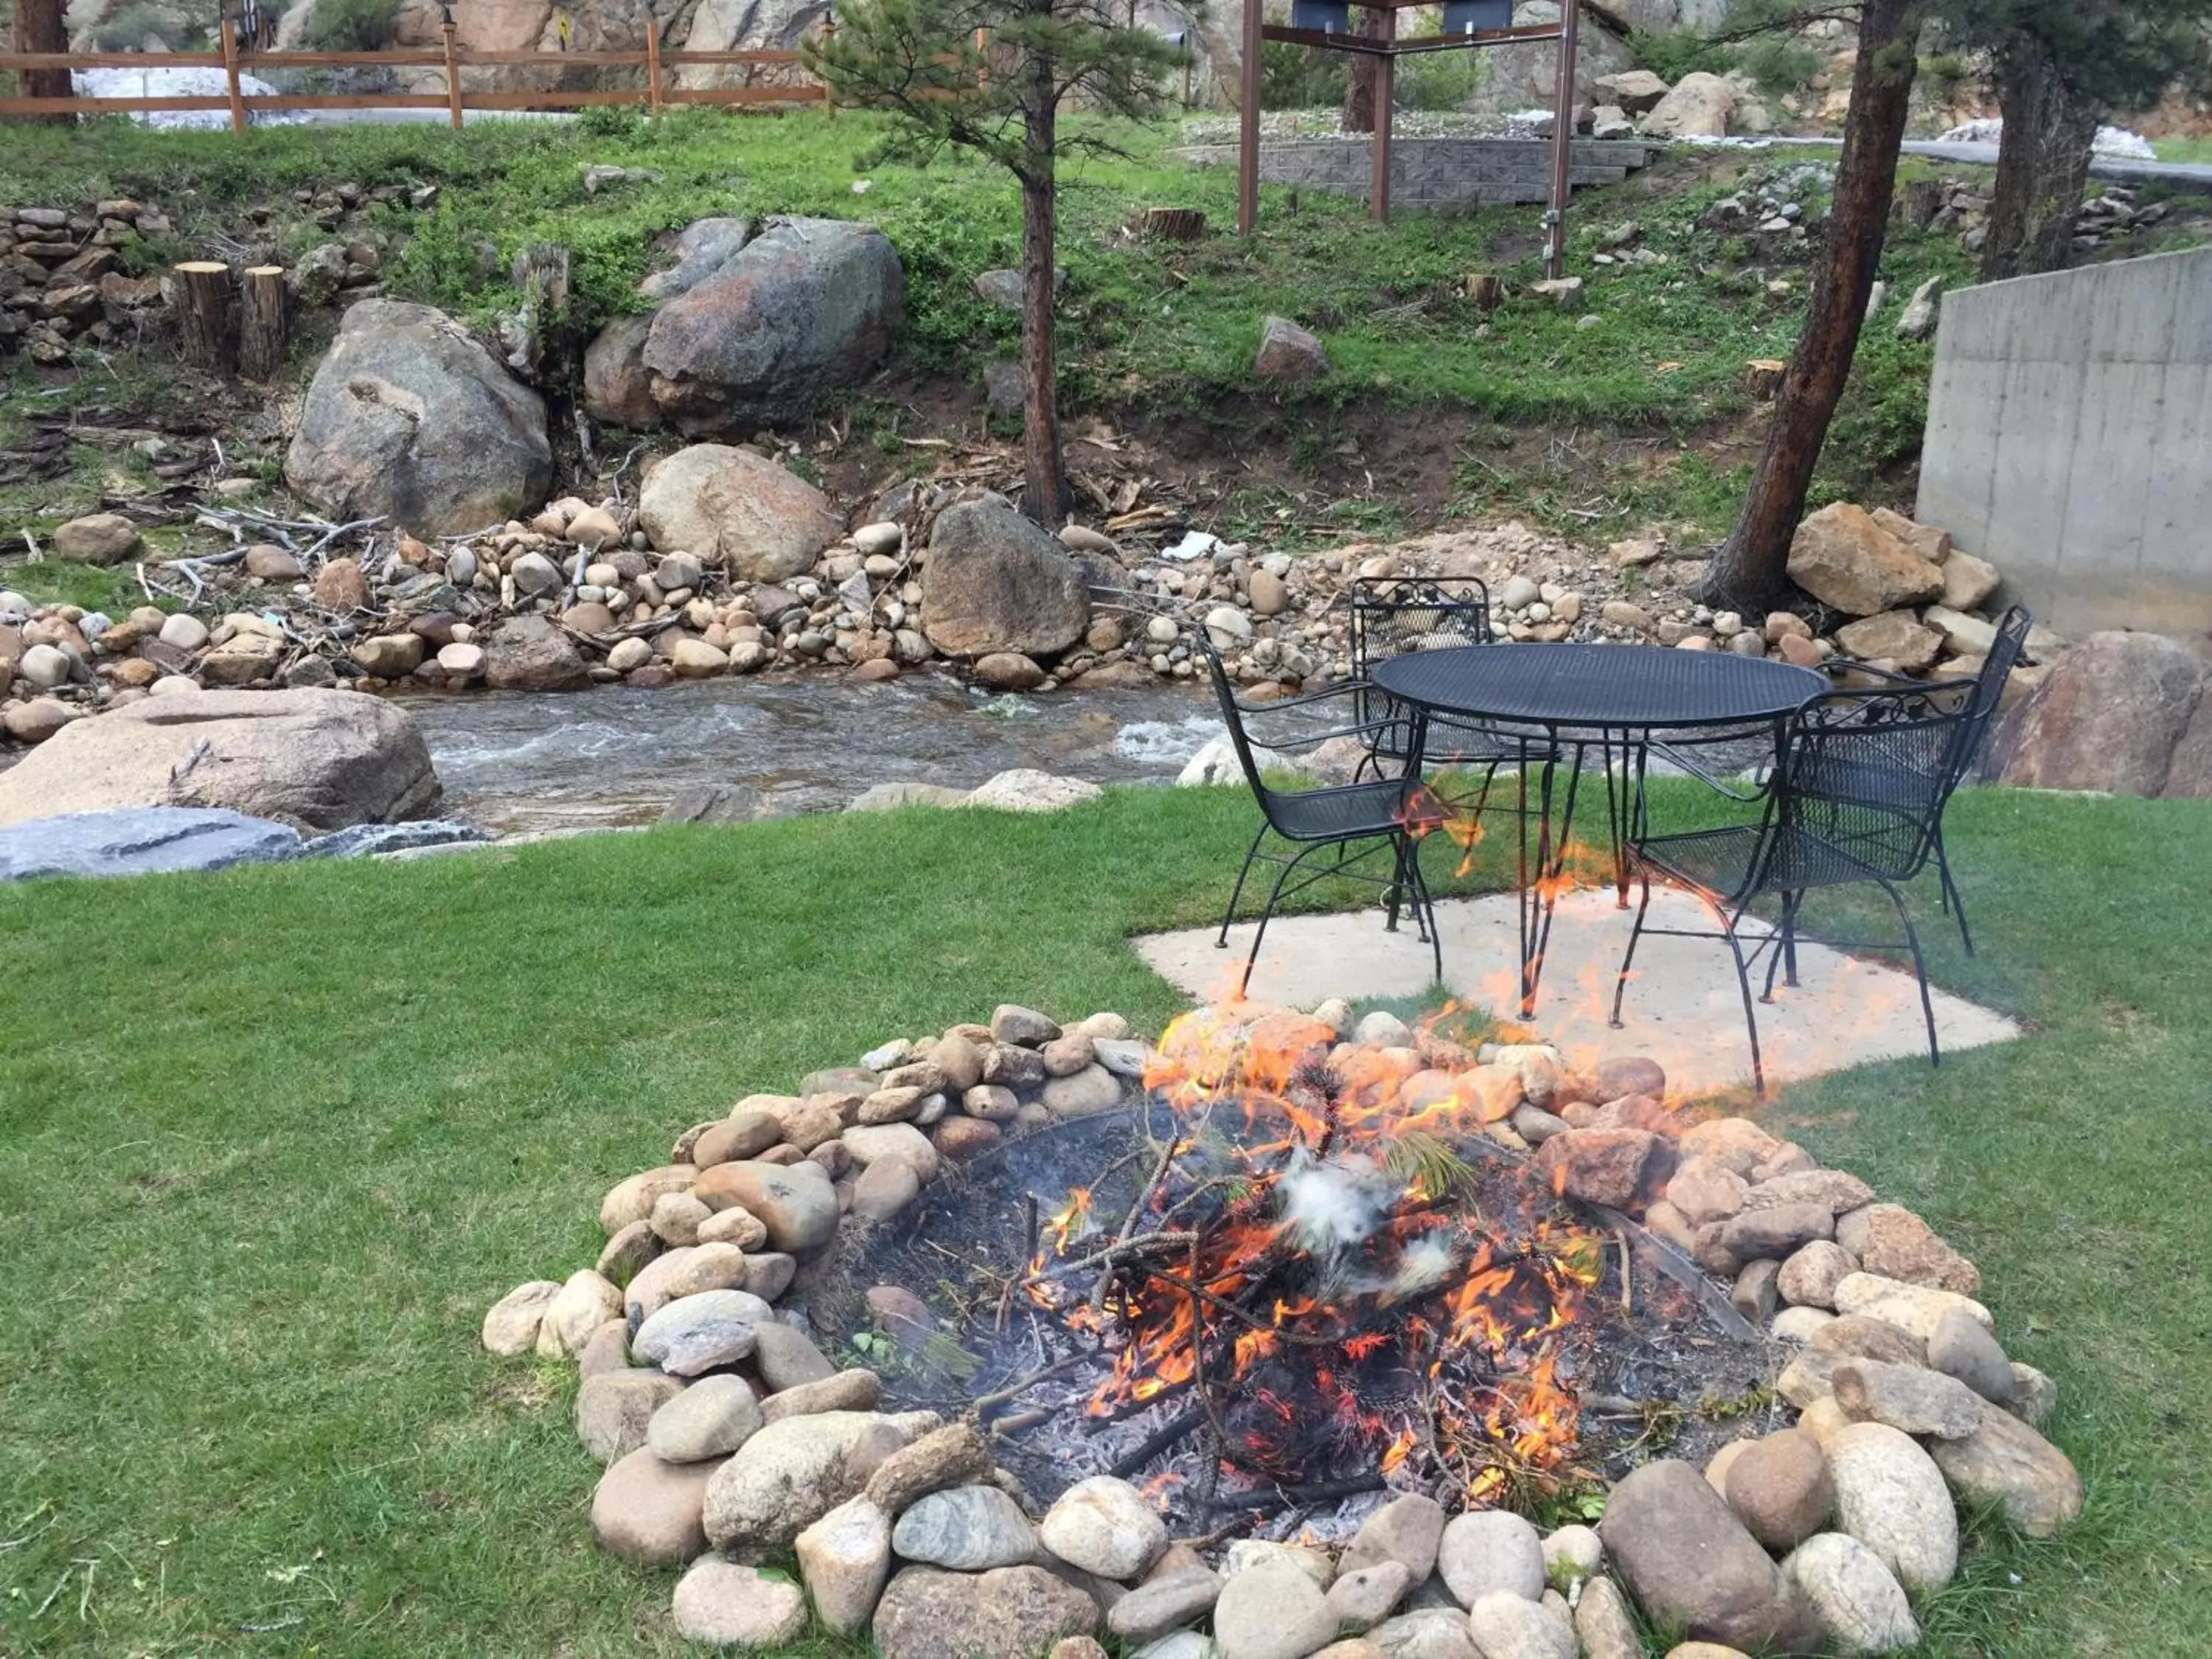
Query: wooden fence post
264 322
230 72
452 73
207 320
652 61
828 92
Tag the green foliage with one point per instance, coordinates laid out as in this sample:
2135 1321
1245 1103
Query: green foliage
1670 54
352 25
1779 63
1441 80
988 76
2112 54
130 26
1293 76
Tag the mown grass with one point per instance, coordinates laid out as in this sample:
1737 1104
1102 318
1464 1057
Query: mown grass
271 1141
1145 327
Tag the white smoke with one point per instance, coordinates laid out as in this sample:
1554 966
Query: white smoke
1331 1209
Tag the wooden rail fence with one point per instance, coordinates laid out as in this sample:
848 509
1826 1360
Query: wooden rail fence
451 57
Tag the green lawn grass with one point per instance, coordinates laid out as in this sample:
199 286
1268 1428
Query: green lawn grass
272 1140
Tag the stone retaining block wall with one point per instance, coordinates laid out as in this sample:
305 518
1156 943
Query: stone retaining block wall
1435 172
2068 423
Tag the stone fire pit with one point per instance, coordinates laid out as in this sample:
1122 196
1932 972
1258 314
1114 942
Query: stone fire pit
1260 1338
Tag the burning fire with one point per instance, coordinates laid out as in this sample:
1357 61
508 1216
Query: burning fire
1316 1282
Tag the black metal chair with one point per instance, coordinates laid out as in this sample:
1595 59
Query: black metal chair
1856 796
1988 695
1394 616
1390 813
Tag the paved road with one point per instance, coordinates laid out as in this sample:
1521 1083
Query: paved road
2193 176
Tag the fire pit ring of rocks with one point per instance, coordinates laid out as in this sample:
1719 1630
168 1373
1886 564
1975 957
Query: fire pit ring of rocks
1271 1330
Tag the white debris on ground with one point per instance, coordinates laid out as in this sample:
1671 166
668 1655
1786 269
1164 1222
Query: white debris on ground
2110 140
179 83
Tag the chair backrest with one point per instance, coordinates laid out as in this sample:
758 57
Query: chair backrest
1232 716
2004 655
1394 616
1869 771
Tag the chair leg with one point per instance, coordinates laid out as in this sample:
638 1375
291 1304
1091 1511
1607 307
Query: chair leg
1221 943
1620 983
1954 902
1750 1013
1274 893
1919 971
1786 945
1426 905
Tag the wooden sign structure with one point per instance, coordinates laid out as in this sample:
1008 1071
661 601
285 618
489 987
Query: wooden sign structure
1385 50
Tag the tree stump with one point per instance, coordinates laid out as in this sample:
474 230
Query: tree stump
1172 224
1762 377
535 334
265 322
1485 291
205 303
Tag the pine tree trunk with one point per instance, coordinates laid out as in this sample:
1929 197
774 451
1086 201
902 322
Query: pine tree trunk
1045 485
1750 574
42 26
1365 73
2043 162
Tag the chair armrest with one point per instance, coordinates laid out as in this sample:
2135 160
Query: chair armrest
1719 782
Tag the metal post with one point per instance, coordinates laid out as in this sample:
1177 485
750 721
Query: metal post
1247 126
1378 172
230 72
446 33
1563 139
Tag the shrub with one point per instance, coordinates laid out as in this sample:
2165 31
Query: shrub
1439 80
1779 63
1670 54
352 25
1300 78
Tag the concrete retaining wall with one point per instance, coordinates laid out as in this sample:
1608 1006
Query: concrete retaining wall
2069 441
1436 173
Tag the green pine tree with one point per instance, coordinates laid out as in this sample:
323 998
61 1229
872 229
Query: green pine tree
991 76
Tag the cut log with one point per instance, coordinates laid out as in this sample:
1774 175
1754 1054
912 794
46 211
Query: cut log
206 304
264 322
1485 291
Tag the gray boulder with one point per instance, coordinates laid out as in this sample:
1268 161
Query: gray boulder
2113 715
730 507
995 581
311 760
617 385
138 841
702 248
528 654
807 308
408 416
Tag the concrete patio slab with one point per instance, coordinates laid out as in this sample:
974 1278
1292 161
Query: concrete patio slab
1682 1008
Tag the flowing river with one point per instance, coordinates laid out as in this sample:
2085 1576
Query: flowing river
516 761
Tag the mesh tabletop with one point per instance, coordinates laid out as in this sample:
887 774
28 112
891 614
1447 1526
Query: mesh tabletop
1598 687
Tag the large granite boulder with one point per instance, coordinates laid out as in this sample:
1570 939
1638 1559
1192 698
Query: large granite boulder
730 507
807 308
2120 712
526 652
410 417
995 581
1696 106
617 385
1843 558
314 760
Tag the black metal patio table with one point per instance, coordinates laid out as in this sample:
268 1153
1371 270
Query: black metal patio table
1560 701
